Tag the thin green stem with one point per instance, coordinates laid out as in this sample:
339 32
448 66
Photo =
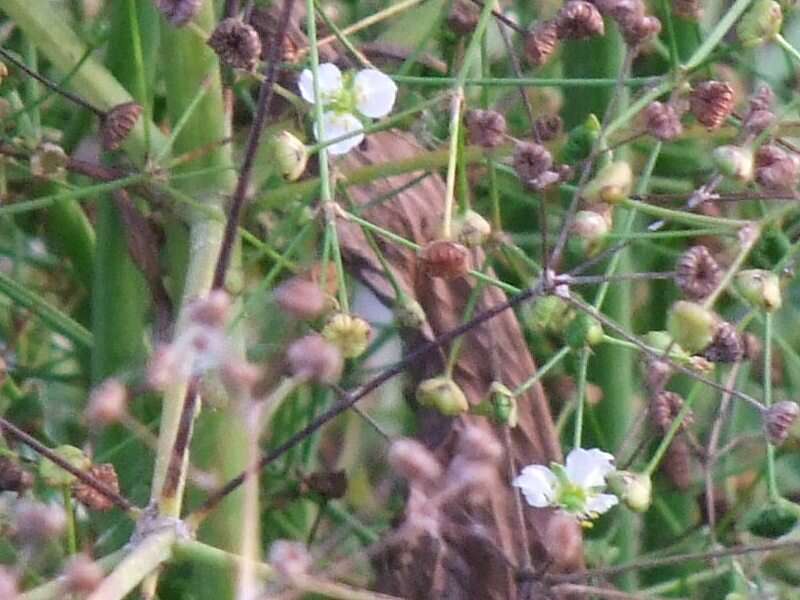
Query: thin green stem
69 509
772 482
541 372
583 365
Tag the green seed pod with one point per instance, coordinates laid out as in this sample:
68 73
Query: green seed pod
443 394
661 340
634 489
55 476
734 161
409 313
550 315
583 330
761 288
291 155
580 140
760 24
612 184
471 229
504 404
774 520
691 325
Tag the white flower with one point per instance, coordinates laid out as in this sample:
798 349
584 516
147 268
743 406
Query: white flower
370 94
574 488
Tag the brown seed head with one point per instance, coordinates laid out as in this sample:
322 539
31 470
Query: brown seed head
314 358
486 128
531 161
778 421
752 346
759 115
697 274
690 10
236 43
777 170
301 298
108 403
118 123
90 497
541 42
82 575
662 122
711 102
639 30
664 407
13 478
677 463
444 259
414 462
578 20
179 12
289 559
328 484
211 310
548 127
463 17
726 345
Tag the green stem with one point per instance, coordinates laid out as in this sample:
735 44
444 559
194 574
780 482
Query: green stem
541 371
583 365
772 481
791 50
72 534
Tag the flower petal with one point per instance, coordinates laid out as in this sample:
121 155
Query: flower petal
537 483
330 83
601 503
335 125
588 468
375 93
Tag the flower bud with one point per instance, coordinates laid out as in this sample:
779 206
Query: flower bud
778 421
726 345
314 358
412 461
118 123
711 102
634 489
541 42
697 274
760 24
486 128
409 313
443 394
13 478
236 43
471 229
82 575
301 298
503 404
734 161
776 169
463 17
761 288
49 160
691 325
179 12
444 259
578 20
108 403
638 30
662 121
289 559
348 333
774 520
584 330
291 155
612 184
55 476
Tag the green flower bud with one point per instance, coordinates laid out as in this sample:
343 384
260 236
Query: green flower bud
583 330
634 489
612 184
291 155
55 476
760 24
691 325
775 519
734 161
409 313
348 333
550 314
504 404
580 140
471 229
444 395
760 288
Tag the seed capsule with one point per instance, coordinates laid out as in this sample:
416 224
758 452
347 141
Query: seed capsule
291 155
314 358
612 184
778 421
697 274
760 288
736 162
664 407
677 464
179 12
711 102
463 17
91 498
726 345
118 123
541 42
348 333
13 478
774 519
487 128
443 394
301 298
471 229
635 489
760 24
445 259
578 20
662 122
531 161
691 325
236 43
776 169
548 127
639 30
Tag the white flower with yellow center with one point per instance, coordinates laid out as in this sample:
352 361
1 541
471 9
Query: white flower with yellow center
346 97
575 488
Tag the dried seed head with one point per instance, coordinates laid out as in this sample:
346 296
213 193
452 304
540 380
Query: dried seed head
314 358
531 161
762 99
331 485
664 407
776 169
612 184
639 30
479 444
90 497
737 162
578 20
711 102
487 128
108 403
301 298
8 584
662 122
289 559
414 462
291 155
690 10
445 259
677 463
697 274
758 121
82 575
443 394
548 127
541 42
778 421
657 373
348 333
760 288
179 12
118 123
236 43
463 17
471 229
35 522
691 325
13 478
49 160
726 345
